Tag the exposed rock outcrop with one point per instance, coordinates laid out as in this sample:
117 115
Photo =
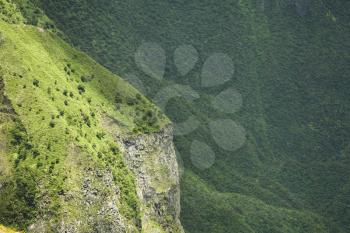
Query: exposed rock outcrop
152 158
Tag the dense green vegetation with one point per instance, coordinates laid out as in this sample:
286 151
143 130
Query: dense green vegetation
292 65
53 101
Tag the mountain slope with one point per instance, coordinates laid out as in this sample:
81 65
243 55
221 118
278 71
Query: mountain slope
291 69
66 124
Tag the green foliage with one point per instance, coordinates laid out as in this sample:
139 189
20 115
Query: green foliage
248 214
146 119
36 82
81 89
9 12
19 196
19 200
52 124
24 11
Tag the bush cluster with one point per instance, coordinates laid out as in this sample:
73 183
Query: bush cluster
81 89
36 82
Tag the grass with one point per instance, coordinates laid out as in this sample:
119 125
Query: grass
4 229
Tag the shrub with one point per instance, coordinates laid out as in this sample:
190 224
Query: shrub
150 114
52 166
86 119
48 25
36 82
84 79
114 150
131 101
81 89
52 124
35 153
100 135
118 98
18 135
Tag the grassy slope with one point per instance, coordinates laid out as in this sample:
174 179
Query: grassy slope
58 97
291 70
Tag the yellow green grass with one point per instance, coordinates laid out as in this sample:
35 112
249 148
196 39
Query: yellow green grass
4 229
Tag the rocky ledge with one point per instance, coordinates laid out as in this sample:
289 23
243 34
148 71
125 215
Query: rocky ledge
152 159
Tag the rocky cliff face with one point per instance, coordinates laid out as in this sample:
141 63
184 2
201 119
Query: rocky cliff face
152 159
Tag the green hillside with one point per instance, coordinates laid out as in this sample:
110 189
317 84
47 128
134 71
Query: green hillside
53 104
291 63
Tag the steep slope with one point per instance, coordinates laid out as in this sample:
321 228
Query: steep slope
291 67
66 124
